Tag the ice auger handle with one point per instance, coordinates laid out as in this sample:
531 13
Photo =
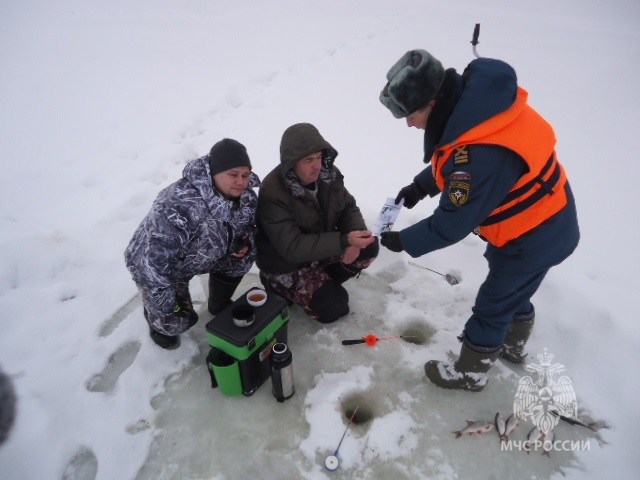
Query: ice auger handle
474 40
476 34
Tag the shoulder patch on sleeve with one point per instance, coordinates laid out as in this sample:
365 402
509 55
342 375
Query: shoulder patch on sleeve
461 155
459 192
461 176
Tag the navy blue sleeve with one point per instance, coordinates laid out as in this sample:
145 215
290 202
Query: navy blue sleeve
427 182
473 189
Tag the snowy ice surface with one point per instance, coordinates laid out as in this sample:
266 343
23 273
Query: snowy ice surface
102 104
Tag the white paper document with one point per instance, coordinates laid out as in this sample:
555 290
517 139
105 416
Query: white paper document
387 216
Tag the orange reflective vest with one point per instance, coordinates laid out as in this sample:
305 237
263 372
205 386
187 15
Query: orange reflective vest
539 194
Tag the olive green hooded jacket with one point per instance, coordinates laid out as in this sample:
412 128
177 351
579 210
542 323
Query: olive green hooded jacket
294 227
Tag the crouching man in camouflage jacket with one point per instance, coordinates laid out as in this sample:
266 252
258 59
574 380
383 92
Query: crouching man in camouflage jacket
203 223
312 237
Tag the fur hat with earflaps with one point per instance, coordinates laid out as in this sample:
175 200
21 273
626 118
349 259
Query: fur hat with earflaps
412 83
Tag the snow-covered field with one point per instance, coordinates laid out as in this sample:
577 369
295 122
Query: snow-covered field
103 103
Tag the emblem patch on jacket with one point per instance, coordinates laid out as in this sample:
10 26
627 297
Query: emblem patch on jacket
461 156
460 176
459 192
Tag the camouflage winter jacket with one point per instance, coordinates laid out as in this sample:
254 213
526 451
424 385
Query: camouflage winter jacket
294 226
190 230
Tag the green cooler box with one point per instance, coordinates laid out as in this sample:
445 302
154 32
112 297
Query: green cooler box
238 361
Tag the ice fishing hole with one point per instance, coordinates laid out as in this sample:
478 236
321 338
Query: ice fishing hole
361 406
417 334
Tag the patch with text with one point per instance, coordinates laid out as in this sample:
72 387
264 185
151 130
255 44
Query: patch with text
460 176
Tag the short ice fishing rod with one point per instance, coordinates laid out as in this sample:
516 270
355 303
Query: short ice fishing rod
372 340
449 278
331 462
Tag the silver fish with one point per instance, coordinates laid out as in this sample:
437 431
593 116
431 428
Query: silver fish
532 439
501 427
547 444
574 421
511 424
474 428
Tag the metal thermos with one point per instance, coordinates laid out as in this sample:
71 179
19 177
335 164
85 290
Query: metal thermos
281 372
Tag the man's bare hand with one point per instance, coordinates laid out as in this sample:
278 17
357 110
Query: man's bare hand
350 254
360 238
241 253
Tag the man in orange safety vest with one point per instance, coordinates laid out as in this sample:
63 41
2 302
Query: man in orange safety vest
493 158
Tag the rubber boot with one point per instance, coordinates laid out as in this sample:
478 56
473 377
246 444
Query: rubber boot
221 288
517 336
168 342
466 373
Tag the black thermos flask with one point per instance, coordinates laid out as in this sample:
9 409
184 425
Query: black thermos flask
281 372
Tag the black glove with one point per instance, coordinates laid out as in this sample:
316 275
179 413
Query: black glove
184 301
183 315
391 240
412 194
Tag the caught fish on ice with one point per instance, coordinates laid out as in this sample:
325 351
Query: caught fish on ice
501 427
533 439
477 428
511 424
574 421
547 444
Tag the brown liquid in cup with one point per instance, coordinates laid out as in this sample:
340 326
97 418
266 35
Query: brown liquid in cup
256 297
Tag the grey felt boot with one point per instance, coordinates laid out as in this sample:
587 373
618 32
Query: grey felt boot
517 336
466 373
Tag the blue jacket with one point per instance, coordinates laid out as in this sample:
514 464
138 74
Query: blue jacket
486 88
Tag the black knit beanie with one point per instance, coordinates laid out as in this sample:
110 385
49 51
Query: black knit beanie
228 154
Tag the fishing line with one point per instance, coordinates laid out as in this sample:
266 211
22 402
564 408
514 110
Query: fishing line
331 463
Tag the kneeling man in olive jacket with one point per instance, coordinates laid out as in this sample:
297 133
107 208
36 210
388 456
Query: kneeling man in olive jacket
311 234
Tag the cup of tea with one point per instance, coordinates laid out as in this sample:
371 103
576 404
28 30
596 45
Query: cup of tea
256 297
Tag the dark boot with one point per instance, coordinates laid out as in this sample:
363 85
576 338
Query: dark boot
221 288
167 342
468 372
329 302
517 336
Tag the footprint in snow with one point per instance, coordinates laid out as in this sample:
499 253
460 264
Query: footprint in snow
109 325
82 466
120 360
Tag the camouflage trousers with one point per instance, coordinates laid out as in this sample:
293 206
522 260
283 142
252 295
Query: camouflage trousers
300 286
